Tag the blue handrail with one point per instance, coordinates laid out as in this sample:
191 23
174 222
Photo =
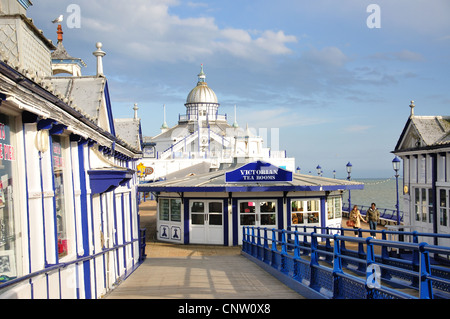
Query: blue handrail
334 271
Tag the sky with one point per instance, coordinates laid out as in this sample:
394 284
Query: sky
334 78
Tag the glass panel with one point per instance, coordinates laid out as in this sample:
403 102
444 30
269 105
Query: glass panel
313 218
313 205
215 219
247 219
247 207
267 207
58 177
8 250
430 205
297 206
268 219
417 203
338 207
297 218
175 210
330 207
164 209
215 207
198 207
424 204
198 219
443 209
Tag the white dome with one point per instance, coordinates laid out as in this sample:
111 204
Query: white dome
202 94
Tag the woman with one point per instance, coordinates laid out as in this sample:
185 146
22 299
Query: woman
355 216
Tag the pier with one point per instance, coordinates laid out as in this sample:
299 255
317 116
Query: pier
268 267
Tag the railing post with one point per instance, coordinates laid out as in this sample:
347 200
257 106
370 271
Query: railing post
361 253
313 263
274 251
373 271
283 252
337 267
425 285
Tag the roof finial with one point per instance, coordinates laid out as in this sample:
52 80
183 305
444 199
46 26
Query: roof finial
60 33
135 108
99 53
202 75
164 126
235 124
412 108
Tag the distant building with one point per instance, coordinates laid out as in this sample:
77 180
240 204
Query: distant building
69 225
424 147
203 141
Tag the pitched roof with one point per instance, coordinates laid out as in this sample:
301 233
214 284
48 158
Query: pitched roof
215 182
425 132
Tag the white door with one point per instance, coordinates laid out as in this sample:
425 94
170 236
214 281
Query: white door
443 214
257 213
206 222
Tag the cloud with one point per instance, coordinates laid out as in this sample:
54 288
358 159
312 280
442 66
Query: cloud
327 57
153 33
404 55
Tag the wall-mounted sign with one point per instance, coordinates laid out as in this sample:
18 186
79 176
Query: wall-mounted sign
258 172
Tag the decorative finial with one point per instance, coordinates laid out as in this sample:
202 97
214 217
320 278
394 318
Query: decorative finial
235 124
412 108
99 53
60 33
135 108
202 75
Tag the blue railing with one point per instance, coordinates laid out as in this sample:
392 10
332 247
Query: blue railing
385 213
322 265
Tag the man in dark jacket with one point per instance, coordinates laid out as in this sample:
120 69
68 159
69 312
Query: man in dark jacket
373 215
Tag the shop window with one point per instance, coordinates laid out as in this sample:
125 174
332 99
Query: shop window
423 205
305 211
8 235
334 208
258 213
58 178
170 209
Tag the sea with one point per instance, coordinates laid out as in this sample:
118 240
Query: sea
380 191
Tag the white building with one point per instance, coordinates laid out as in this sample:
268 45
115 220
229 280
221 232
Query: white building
203 141
424 147
69 223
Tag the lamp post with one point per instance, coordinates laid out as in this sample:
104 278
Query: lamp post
319 170
349 172
298 169
396 167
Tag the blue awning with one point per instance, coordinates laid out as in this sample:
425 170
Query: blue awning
104 180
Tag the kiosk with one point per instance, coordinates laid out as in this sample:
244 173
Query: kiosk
212 208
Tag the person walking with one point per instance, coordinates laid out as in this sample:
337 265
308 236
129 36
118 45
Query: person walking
373 215
356 217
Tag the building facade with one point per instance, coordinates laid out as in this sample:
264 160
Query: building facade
69 223
212 208
424 147
203 140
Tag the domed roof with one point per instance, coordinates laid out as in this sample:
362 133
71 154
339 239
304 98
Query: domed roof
202 93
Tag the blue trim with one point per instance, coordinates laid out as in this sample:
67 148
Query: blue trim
186 221
280 213
84 221
245 188
235 217
106 180
225 222
109 110
25 3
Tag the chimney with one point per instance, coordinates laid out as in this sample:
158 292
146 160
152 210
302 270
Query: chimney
99 54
